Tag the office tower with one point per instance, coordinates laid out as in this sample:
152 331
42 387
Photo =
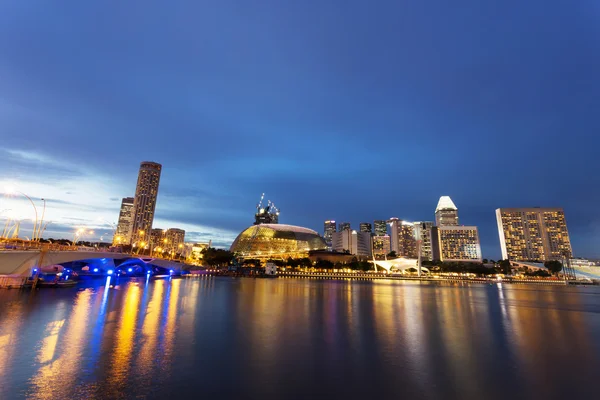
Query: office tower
407 240
380 228
144 201
381 246
395 225
175 239
456 244
366 227
352 242
328 231
344 226
533 234
423 233
446 213
156 238
123 233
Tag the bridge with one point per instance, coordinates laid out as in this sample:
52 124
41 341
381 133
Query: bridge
23 260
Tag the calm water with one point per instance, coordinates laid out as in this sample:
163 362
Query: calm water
296 338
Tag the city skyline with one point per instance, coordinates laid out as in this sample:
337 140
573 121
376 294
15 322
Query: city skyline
493 120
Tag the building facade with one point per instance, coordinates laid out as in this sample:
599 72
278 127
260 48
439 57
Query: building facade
343 226
175 240
366 227
533 234
407 245
123 232
395 224
144 202
456 244
380 227
446 213
156 237
353 242
381 246
423 234
328 231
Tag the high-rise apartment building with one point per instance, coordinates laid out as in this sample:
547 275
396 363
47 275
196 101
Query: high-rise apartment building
123 232
353 242
343 226
366 227
381 246
423 234
144 201
175 239
380 227
446 213
533 234
328 231
456 244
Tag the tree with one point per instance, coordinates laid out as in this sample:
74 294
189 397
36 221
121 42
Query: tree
216 257
505 267
553 266
324 264
392 254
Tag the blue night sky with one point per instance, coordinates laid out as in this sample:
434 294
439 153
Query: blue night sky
337 109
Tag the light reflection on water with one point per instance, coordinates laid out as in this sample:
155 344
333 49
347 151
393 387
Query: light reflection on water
296 338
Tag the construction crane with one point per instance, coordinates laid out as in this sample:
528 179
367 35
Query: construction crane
266 215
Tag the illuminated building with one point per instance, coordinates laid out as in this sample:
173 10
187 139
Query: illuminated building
123 233
380 228
196 251
352 242
175 239
407 240
366 227
328 231
344 226
156 237
446 213
277 241
144 201
423 233
456 244
381 246
533 234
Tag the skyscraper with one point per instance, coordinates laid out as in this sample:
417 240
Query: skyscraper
407 245
357 243
380 228
144 202
446 213
456 243
533 234
156 237
423 233
366 227
123 233
344 226
328 231
381 246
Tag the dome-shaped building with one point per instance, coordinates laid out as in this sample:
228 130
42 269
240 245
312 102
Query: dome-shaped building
278 241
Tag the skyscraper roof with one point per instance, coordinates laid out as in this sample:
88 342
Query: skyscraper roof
445 203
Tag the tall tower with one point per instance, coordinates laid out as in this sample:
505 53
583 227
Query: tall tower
344 226
123 233
380 228
446 213
395 225
366 227
328 231
144 201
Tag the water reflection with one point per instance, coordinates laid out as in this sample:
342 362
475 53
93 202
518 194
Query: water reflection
292 338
